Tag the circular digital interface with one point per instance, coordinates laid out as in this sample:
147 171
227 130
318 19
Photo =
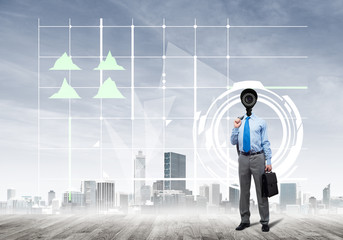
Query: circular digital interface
215 157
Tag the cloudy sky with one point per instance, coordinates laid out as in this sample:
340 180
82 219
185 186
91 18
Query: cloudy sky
319 161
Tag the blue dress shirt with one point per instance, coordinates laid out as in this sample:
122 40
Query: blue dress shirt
258 136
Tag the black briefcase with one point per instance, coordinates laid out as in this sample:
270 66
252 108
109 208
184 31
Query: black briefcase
269 184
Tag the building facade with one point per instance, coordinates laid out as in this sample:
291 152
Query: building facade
10 193
174 167
105 197
88 188
234 196
139 172
215 194
205 192
288 194
51 196
326 196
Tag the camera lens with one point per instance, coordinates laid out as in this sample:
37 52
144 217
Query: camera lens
249 99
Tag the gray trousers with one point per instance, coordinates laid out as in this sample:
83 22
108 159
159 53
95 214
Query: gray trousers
254 165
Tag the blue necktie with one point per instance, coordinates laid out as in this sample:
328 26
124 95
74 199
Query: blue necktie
246 136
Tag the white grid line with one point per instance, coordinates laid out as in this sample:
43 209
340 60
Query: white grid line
163 90
227 97
132 97
38 106
168 179
69 120
195 142
175 26
132 70
101 81
191 57
164 57
150 118
150 148
159 87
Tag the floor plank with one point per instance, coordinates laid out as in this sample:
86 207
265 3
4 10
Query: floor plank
170 227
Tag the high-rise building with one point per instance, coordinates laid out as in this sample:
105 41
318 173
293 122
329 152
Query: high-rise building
234 195
288 194
145 194
306 197
76 198
190 203
105 195
336 202
313 202
326 196
123 201
201 202
10 193
42 203
174 167
55 205
299 195
215 194
88 188
36 199
51 196
158 185
205 192
139 172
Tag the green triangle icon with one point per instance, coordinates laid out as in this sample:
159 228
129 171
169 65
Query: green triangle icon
64 63
66 91
110 63
109 90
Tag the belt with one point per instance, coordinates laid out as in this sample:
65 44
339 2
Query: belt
251 153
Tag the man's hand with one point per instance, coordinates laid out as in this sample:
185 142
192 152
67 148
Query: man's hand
237 123
268 168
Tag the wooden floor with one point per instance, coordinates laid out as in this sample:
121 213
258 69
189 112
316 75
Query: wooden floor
166 227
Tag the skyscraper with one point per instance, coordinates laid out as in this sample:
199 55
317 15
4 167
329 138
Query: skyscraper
123 201
175 167
10 193
234 195
36 199
288 194
215 194
51 196
88 188
205 192
145 193
76 198
326 196
158 185
139 172
313 202
105 195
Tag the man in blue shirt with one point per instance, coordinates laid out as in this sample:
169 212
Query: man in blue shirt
250 134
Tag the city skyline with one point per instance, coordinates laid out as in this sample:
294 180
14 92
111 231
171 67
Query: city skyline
143 180
106 199
289 192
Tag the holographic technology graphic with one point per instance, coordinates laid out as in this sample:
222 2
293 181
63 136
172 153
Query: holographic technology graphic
207 129
183 77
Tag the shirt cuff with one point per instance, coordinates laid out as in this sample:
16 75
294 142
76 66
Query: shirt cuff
235 130
269 162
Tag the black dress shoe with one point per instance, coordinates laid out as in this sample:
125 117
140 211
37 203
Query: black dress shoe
265 228
242 226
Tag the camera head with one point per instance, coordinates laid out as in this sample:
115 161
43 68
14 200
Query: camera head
249 99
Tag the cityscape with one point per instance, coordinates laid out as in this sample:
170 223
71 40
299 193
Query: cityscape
165 196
